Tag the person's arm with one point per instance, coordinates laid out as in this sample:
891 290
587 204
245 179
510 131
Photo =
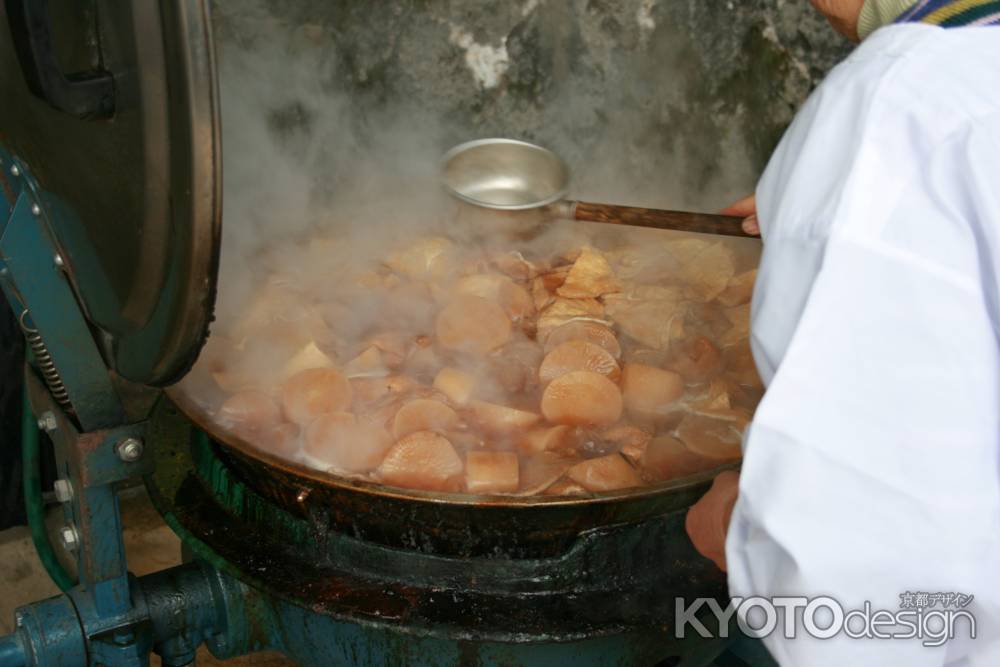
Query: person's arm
707 521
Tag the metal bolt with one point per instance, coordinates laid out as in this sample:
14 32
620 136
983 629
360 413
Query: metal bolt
70 538
36 210
15 170
63 489
47 422
58 260
129 449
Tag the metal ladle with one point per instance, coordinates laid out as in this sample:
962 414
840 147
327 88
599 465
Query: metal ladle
514 175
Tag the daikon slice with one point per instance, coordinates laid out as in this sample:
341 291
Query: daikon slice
578 355
607 473
582 398
472 324
311 393
423 415
650 392
422 460
339 442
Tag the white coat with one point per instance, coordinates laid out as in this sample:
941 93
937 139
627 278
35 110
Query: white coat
872 466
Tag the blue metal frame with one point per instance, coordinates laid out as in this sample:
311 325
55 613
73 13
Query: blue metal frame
30 274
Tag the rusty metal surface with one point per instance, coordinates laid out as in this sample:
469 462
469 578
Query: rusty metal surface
446 523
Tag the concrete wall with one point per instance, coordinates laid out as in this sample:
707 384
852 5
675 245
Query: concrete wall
656 102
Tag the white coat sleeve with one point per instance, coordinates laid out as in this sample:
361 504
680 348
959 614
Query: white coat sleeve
871 467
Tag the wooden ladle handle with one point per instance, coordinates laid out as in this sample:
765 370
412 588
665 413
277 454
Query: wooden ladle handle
705 223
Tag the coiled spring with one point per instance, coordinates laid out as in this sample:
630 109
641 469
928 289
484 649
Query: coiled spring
45 363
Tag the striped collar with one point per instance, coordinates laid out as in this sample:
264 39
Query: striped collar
953 13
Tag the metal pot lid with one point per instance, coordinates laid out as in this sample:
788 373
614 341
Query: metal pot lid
113 107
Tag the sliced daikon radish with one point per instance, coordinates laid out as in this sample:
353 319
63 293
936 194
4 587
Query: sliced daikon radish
649 392
565 487
457 385
606 473
422 460
541 471
666 458
472 324
367 364
423 414
394 347
591 332
739 290
236 378
338 442
513 298
578 355
697 360
631 440
281 440
545 439
369 390
514 265
715 439
582 398
311 393
563 310
591 276
308 357
491 472
500 419
248 412
425 259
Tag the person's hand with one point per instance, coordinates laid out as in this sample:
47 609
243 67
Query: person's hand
708 519
747 209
